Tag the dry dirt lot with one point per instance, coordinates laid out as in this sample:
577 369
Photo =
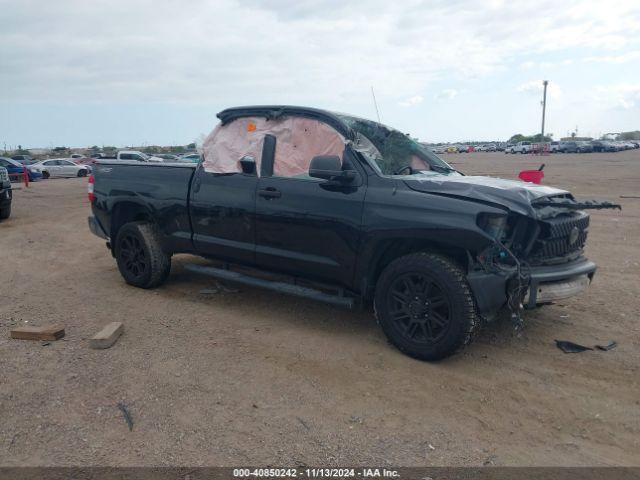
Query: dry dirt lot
265 379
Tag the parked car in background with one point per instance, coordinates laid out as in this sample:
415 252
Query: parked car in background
554 147
491 147
480 148
452 149
585 147
60 167
76 155
20 158
86 161
14 167
5 194
569 147
191 158
603 146
167 157
26 162
137 156
521 147
438 150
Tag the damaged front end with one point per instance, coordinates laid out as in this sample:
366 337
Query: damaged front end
533 259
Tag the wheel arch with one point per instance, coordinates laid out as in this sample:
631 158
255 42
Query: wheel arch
388 250
125 212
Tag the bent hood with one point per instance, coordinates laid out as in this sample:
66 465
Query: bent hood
515 195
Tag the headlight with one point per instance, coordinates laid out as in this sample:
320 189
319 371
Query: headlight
494 224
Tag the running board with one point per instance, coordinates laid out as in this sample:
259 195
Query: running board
282 287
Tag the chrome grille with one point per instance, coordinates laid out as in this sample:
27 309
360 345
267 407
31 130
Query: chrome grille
4 175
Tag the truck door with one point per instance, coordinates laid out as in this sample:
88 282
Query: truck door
222 210
303 225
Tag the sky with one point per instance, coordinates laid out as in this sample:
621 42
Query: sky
142 72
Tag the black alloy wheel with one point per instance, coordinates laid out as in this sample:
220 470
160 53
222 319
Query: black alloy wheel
419 308
132 255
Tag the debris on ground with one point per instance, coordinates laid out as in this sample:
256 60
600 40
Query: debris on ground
490 460
44 333
356 419
303 423
218 288
570 347
125 413
107 336
610 346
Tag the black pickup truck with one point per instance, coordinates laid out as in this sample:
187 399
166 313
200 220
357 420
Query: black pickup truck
351 212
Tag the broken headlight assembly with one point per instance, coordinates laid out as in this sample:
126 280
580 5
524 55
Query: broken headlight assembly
493 224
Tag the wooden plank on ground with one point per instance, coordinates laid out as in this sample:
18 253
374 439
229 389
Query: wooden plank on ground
46 332
107 336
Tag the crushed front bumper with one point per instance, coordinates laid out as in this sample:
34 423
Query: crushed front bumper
546 284
559 281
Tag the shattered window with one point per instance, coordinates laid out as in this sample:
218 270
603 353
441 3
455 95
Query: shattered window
392 152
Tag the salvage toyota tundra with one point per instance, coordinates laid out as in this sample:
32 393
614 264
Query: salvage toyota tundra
351 212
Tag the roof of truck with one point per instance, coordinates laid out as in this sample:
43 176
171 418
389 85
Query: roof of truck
276 111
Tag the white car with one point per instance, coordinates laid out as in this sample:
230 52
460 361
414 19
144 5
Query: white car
521 147
137 156
60 167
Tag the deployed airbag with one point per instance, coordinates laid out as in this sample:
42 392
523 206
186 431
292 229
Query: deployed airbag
298 140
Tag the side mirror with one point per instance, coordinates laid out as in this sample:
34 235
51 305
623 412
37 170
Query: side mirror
329 167
248 165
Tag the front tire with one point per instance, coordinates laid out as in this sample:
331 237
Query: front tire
425 307
82 173
5 213
141 260
45 175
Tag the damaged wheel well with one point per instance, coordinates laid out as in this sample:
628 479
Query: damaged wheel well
389 250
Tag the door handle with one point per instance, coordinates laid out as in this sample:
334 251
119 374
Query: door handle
270 192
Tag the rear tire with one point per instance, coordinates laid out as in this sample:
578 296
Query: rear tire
5 213
141 260
425 307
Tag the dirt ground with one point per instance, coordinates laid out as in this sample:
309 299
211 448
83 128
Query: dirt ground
265 379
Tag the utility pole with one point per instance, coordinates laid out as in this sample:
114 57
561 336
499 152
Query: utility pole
544 105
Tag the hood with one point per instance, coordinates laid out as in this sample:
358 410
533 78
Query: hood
515 195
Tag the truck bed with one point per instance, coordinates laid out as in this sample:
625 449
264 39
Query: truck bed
157 190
